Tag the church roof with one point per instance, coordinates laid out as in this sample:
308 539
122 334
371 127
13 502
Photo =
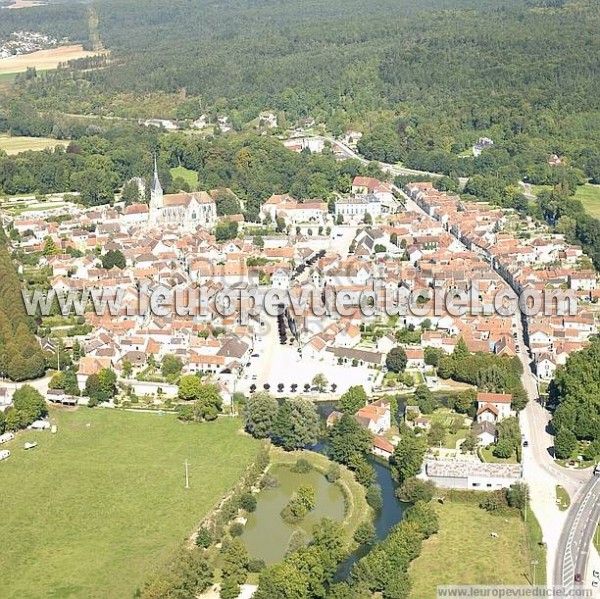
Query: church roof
183 198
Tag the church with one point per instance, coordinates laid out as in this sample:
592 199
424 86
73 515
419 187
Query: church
186 211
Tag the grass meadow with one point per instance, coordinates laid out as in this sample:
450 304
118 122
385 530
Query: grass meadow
464 552
95 508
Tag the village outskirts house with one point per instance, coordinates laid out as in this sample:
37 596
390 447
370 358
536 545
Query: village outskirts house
494 407
376 417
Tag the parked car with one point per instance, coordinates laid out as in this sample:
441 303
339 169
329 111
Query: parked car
525 443
255 355
578 577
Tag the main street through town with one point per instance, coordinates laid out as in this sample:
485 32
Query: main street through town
568 535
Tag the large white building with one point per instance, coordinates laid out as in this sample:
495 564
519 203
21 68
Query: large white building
467 474
187 211
355 208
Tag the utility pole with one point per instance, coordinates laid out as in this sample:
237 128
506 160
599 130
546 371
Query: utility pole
534 563
187 475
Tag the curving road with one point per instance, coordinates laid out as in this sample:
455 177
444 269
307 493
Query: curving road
576 538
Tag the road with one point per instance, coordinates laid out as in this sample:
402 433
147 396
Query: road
567 534
539 468
576 538
385 167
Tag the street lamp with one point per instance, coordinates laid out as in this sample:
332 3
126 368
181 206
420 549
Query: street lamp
534 563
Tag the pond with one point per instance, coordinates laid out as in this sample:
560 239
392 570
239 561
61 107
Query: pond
266 535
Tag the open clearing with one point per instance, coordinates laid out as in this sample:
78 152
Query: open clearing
43 59
463 551
16 145
588 195
95 508
190 177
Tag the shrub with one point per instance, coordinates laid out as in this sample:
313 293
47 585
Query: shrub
268 481
365 534
414 489
333 473
374 498
299 505
236 529
302 466
248 502
256 565
494 502
204 538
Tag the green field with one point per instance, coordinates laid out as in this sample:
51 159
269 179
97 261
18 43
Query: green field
190 177
15 145
463 551
589 195
487 455
92 510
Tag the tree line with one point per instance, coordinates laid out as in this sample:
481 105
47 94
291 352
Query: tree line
21 356
574 397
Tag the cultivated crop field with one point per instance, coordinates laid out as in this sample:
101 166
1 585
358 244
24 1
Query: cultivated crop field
43 59
92 510
16 145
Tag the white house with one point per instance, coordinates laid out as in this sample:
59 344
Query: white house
281 278
5 397
493 407
545 366
583 281
382 447
486 433
415 357
354 209
376 417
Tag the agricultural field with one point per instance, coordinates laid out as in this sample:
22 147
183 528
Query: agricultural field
25 4
16 145
464 551
92 510
43 59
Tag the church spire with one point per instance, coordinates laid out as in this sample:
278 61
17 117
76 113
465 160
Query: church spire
156 195
156 186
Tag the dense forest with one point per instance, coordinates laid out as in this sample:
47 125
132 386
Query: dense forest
21 357
424 80
434 76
